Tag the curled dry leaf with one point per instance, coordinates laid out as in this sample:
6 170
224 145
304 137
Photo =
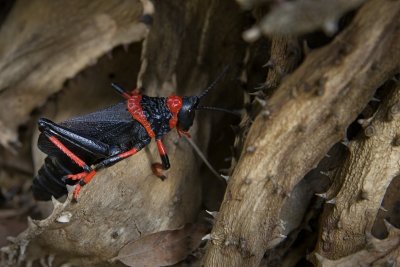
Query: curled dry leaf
163 248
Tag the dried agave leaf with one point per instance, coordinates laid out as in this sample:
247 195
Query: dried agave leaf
377 251
163 248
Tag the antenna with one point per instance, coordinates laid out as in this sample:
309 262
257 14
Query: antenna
201 155
120 90
233 112
212 85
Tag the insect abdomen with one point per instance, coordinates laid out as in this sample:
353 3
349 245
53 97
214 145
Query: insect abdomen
49 181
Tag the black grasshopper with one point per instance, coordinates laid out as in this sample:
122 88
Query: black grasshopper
79 147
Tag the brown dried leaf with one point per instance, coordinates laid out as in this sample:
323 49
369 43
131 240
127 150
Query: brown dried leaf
163 248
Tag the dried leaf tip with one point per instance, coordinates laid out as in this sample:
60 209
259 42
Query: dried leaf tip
251 149
270 63
391 228
31 223
226 177
330 27
365 122
206 237
55 202
212 213
321 195
325 173
252 34
331 201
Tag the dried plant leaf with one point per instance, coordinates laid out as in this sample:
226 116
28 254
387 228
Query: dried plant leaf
342 229
163 248
377 250
15 252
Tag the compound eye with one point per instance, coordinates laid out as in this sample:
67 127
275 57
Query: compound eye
191 114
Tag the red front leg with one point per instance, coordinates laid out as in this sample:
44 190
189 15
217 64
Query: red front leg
158 168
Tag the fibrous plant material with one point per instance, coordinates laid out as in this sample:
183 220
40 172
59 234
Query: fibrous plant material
308 114
285 57
163 248
362 181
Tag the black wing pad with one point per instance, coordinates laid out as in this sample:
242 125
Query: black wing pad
77 143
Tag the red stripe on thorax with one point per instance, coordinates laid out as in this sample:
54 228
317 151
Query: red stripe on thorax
135 108
174 104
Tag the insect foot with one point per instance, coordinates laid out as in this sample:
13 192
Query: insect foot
157 169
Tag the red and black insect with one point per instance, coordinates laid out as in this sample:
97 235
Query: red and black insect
79 147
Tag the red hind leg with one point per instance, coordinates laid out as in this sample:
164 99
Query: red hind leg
83 177
83 181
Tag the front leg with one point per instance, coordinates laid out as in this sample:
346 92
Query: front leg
157 168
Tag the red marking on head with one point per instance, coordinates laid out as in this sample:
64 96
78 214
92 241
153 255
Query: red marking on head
135 108
174 104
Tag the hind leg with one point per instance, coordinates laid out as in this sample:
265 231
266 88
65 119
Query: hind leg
107 162
57 134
